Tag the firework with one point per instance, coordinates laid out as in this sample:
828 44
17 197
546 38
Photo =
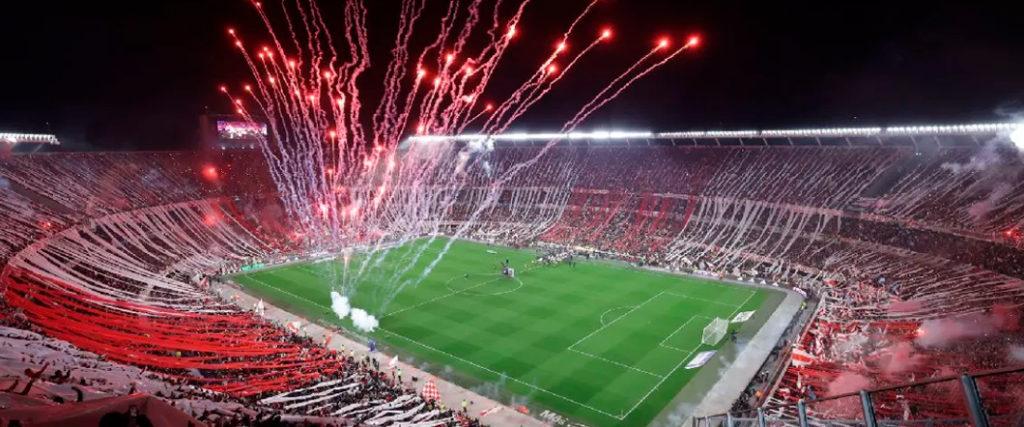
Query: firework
349 183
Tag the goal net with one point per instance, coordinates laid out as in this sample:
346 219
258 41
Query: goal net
715 331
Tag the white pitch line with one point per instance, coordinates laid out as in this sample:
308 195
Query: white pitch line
681 362
500 374
459 358
662 343
618 417
615 363
439 298
703 300
284 291
451 294
616 320
609 311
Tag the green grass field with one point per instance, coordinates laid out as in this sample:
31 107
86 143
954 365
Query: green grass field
602 343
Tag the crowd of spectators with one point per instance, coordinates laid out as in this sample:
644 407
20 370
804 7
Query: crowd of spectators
92 242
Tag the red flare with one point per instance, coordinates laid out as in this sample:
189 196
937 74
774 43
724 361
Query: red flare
606 34
210 173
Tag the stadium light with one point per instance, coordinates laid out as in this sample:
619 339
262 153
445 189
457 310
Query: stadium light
35 138
1016 133
1017 137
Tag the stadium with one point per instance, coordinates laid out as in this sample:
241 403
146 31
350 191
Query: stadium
406 256
862 232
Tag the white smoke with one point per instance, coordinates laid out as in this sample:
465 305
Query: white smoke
472 152
340 305
1016 353
981 209
951 331
1017 137
364 321
4 183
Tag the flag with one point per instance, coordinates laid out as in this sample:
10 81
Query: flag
430 391
393 362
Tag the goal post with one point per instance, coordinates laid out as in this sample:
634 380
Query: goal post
715 331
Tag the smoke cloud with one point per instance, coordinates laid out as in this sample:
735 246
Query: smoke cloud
845 408
903 359
848 382
364 321
979 210
945 332
340 305
4 183
1017 353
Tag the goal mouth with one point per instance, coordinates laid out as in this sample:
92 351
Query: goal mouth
714 331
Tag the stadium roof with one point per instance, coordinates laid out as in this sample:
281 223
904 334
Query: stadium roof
848 132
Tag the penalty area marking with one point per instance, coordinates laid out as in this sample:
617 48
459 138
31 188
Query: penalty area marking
613 309
662 343
605 325
681 362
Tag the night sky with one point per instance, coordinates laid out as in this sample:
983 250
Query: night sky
137 75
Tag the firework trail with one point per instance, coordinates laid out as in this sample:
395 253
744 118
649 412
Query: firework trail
591 107
344 177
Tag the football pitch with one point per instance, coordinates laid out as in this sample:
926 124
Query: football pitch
600 343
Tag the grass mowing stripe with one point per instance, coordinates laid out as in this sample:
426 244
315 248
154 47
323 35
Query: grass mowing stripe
536 338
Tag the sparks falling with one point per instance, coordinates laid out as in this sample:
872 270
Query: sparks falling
343 174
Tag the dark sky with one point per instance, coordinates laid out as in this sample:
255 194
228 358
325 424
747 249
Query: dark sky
137 75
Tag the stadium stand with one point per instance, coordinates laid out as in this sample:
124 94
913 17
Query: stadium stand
108 258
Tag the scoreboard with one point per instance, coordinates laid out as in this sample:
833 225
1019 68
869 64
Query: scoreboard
232 132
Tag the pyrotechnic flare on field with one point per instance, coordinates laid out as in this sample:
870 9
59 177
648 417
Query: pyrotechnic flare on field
342 174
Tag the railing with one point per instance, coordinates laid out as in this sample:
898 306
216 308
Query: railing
983 399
